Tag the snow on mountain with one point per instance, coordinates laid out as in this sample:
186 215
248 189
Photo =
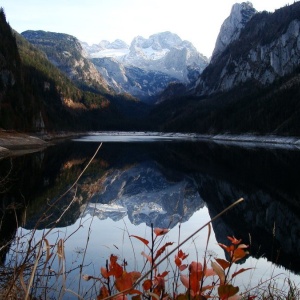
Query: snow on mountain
144 192
164 56
163 52
115 49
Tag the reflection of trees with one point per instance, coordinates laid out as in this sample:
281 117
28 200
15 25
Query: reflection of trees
10 211
23 180
267 179
5 179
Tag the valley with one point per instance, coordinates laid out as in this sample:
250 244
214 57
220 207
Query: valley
250 85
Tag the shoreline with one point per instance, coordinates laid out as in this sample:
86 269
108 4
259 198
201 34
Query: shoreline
13 142
18 143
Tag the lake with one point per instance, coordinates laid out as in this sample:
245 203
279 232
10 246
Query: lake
135 180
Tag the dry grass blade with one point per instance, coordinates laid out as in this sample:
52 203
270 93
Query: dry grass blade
38 256
48 254
22 281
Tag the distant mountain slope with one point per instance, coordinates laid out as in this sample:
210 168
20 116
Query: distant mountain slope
135 81
62 104
37 96
146 67
66 53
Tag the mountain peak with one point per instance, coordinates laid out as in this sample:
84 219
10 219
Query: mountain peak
230 30
149 64
158 41
117 44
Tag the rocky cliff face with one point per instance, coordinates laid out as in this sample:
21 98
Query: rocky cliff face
267 49
230 30
67 54
165 52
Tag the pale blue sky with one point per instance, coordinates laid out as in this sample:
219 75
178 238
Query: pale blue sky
95 20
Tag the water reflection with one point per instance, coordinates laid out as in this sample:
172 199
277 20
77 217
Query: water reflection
147 193
161 183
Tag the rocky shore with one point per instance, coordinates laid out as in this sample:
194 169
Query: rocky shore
13 142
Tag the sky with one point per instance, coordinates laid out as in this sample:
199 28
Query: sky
92 21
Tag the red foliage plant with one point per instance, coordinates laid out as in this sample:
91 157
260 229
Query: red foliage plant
195 280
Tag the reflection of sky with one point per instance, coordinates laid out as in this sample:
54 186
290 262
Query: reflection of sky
107 237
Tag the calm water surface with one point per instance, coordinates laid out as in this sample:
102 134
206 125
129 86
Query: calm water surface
172 182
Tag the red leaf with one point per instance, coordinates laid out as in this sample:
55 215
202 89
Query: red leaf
115 269
162 249
159 280
103 293
234 240
164 274
177 261
185 280
104 272
195 267
227 248
195 281
147 284
226 291
160 231
223 263
183 267
240 271
238 254
209 272
182 255
148 257
146 242
136 297
126 282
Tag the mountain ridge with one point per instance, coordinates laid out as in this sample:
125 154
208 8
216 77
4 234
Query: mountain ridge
164 56
251 86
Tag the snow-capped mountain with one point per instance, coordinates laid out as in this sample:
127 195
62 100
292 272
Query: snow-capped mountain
161 59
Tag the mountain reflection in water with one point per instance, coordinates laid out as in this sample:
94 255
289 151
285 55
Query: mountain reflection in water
147 194
163 183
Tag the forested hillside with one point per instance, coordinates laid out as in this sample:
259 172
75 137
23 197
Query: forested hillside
36 96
